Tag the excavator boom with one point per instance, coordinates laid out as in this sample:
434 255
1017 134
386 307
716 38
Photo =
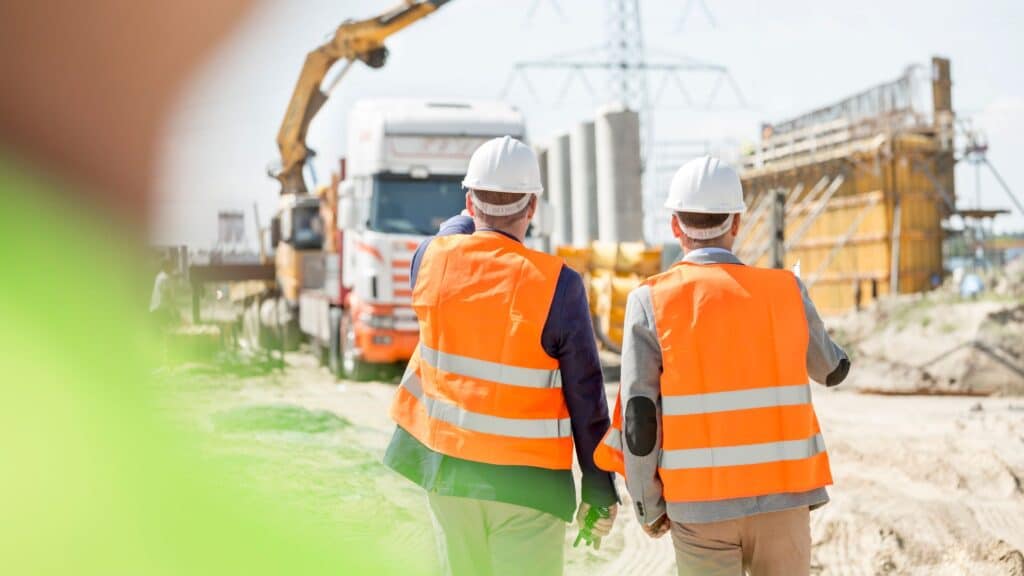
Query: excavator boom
354 40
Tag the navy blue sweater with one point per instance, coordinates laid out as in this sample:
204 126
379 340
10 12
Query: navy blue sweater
568 337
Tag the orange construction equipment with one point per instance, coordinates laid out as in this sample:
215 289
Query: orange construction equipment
491 396
736 407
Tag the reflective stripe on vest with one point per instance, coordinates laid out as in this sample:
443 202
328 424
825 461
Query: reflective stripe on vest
480 386
736 400
737 418
490 371
742 455
485 423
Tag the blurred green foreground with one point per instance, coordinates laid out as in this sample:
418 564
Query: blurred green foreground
96 480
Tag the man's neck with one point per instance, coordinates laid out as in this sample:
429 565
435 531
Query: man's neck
484 227
716 246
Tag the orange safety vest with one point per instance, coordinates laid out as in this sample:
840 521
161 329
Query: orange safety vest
480 386
737 418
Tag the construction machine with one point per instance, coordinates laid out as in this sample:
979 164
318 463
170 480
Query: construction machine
298 224
302 232
303 235
343 252
361 40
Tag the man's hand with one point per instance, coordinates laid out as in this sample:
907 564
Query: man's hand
658 528
603 526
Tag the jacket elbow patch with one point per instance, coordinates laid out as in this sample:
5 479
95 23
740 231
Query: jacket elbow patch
641 426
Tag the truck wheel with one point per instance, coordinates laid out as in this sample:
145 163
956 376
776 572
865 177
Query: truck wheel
334 343
353 367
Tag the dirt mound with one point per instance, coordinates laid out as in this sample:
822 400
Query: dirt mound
1010 280
936 344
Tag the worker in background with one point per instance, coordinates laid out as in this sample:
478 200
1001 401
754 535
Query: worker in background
714 429
162 301
505 379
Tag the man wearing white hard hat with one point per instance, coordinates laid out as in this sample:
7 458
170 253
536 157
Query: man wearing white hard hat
715 431
505 382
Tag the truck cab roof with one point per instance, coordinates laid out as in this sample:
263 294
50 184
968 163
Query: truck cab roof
442 117
426 136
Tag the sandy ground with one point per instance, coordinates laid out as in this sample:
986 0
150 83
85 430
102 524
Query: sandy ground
936 343
924 485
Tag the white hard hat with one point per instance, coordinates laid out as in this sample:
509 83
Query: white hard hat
707 186
504 165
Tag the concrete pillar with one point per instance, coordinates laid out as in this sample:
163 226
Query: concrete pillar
537 242
542 160
583 163
560 190
619 175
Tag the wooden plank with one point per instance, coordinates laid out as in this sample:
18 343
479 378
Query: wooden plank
762 204
763 235
818 209
813 279
815 193
230 272
794 194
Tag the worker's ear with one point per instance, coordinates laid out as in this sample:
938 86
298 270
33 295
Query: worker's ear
735 228
469 205
533 207
677 232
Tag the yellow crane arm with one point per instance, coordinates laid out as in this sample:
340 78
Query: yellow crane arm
353 40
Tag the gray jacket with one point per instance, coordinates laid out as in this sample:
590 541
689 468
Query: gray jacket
827 363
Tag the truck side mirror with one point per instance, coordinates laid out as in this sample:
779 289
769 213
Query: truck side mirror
347 217
544 219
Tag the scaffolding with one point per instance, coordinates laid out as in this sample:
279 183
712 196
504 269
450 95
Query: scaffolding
863 186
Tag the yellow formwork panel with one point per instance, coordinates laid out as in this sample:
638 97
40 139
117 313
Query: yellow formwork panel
575 257
622 285
603 255
626 257
638 258
844 260
600 291
615 270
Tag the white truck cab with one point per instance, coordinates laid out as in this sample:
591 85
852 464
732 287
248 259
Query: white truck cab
405 162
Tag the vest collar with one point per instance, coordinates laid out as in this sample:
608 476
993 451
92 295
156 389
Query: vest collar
711 256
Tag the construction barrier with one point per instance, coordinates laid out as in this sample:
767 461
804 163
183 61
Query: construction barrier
611 271
576 258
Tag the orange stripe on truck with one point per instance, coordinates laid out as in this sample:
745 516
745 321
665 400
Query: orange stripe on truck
363 247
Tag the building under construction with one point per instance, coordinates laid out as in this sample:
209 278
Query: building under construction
857 191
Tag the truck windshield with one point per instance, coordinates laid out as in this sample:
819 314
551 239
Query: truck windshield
417 207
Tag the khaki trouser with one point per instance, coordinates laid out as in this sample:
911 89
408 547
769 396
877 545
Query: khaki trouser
770 544
485 538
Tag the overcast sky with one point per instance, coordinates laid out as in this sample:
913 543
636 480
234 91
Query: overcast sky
786 56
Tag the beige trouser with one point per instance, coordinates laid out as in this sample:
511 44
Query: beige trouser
770 544
485 538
